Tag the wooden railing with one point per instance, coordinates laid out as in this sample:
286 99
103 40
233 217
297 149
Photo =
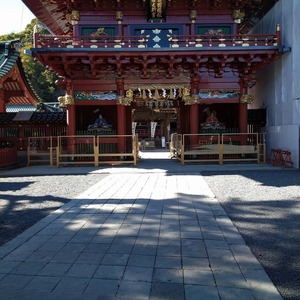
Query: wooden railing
83 150
218 147
117 149
140 42
41 150
17 134
123 149
62 41
222 41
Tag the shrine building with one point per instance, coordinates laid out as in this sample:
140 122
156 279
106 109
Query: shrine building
158 67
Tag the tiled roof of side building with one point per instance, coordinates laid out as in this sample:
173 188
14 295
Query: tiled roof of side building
13 77
17 108
35 117
48 117
7 117
8 58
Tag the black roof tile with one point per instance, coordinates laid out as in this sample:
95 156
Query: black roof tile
46 117
7 117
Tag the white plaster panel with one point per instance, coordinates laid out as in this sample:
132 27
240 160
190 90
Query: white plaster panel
285 138
278 85
271 120
295 51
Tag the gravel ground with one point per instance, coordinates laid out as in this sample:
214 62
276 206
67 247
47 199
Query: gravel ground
26 200
265 207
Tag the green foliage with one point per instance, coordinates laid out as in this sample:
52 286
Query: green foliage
42 79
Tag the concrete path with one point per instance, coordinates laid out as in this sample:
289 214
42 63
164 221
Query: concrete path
136 234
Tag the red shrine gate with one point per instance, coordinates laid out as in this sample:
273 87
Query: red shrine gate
156 67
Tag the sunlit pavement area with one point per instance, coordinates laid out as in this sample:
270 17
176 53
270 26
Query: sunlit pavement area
155 231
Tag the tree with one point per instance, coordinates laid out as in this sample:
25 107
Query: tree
41 79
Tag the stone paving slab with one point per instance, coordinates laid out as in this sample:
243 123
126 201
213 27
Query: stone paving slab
136 236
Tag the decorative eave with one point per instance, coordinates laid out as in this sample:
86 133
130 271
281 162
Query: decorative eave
50 13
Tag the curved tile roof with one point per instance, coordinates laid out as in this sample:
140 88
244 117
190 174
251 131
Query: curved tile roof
13 80
8 57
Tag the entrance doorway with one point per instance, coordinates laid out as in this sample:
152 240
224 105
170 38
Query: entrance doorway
154 126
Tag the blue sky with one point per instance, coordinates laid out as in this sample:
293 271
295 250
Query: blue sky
14 16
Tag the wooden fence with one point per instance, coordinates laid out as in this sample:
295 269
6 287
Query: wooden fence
234 147
83 150
8 157
124 149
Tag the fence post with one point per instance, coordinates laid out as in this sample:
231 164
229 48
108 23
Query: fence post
96 157
58 150
264 153
182 151
51 155
221 154
28 157
134 149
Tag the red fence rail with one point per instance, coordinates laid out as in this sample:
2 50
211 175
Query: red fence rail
175 41
8 157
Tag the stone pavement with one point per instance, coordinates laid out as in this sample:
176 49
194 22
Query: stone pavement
136 234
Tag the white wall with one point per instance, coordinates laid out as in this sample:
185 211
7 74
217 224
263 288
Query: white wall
278 85
285 138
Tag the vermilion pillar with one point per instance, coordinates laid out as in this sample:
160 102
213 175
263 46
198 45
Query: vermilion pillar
243 117
121 119
194 110
121 129
71 114
243 114
2 101
71 118
194 118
